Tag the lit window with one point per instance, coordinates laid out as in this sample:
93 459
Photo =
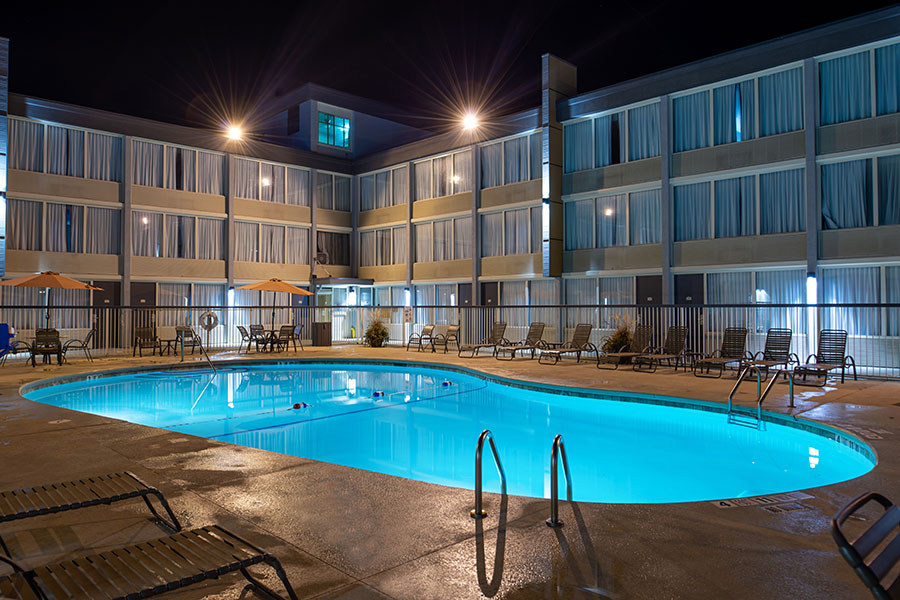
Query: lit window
334 131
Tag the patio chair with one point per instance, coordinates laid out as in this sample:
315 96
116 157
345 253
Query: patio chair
259 335
298 335
494 340
10 346
284 338
579 343
46 343
640 343
184 337
532 343
425 337
145 337
776 352
445 339
876 551
831 354
145 569
245 338
83 345
733 350
673 350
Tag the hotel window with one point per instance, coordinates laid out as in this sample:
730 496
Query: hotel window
692 211
782 207
734 113
443 175
146 234
180 169
271 244
643 132
644 220
511 160
296 187
889 190
887 79
271 182
332 191
781 287
847 194
210 239
367 248
296 246
210 173
246 178
65 227
335 245
179 236
845 89
735 206
781 102
852 285
383 189
148 163
65 151
26 145
102 234
334 130
509 232
246 241
690 117
104 157
70 152
612 223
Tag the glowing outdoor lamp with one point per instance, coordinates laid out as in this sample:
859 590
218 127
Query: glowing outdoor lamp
470 121
234 133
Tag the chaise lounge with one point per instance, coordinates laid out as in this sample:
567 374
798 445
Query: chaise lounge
532 343
579 343
494 340
831 354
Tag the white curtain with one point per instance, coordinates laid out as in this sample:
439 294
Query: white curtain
103 231
781 287
581 292
148 163
442 168
398 252
643 132
12 310
180 168
23 224
847 194
383 189
887 78
889 190
491 165
424 245
537 155
643 208
179 236
296 247
367 248
445 297
324 191
271 244
537 229
336 244
736 206
341 193
210 173
579 224
246 241
514 293
782 202
543 292
65 151
692 208
26 145
690 119
781 102
462 172
422 171
210 239
443 240
729 288
609 143
612 221
515 156
733 113
246 178
400 185
65 227
492 234
209 294
853 285
462 237
383 246
104 157
892 296
616 290
271 183
297 187
577 147
173 294
146 234
844 89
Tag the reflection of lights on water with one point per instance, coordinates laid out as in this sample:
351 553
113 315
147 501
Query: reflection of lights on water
813 457
351 386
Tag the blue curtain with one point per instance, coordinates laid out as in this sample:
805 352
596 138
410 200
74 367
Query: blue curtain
690 120
577 145
643 132
887 79
736 207
609 144
692 211
853 285
781 287
847 194
889 190
844 89
611 221
26 145
892 296
733 111
644 216
781 102
579 224
729 288
781 202
491 165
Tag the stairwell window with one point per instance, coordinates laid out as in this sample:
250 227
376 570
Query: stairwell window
334 130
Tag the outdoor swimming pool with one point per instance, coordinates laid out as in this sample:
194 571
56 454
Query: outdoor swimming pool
426 425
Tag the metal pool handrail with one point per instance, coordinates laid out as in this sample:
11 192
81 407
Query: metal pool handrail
478 512
559 448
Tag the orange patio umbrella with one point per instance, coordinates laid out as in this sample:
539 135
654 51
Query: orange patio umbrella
275 285
50 280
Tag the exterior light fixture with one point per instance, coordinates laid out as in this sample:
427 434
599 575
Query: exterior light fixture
470 121
235 133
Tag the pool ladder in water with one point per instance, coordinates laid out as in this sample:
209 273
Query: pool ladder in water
760 393
558 450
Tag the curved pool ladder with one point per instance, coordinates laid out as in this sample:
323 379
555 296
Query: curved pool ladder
760 393
559 449
478 512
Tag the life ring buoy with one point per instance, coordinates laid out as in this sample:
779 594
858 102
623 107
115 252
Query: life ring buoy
209 320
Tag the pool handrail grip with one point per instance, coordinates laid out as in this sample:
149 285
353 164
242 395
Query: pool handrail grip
760 393
478 512
559 448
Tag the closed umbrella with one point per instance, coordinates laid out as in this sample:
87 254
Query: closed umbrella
50 280
275 285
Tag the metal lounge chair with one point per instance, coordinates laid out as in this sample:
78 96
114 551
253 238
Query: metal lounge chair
284 338
46 343
673 350
445 339
145 569
245 338
186 337
831 354
872 555
83 345
424 337
532 343
776 352
579 343
733 350
640 343
145 337
493 340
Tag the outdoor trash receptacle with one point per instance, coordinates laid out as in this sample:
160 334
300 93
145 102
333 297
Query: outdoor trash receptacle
321 334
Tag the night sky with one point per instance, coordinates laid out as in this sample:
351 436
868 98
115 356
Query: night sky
199 64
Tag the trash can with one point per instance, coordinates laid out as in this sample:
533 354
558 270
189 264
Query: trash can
321 334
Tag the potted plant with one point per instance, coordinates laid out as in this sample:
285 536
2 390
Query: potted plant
620 339
376 333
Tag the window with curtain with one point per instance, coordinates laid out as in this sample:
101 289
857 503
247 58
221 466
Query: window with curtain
65 227
148 163
853 285
65 151
271 183
729 288
104 157
367 192
210 173
443 240
735 206
26 145
246 241
173 294
537 230
324 190
609 143
690 120
336 245
492 165
536 155
892 296
492 234
514 293
541 293
616 290
180 168
781 202
517 226
887 79
383 253
581 292
334 130
424 242
515 157
296 187
643 132
399 253
844 89
209 294
612 221
644 217
691 211
367 249
383 189
246 178
847 194
341 193
296 245
889 190
422 171
781 287
400 185
579 224
146 234
179 236
103 230
442 168
781 102
210 239
462 237
734 107
577 143
271 244
462 172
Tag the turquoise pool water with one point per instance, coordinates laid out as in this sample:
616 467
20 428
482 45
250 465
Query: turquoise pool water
426 425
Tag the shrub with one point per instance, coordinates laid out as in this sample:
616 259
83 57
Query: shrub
376 333
619 340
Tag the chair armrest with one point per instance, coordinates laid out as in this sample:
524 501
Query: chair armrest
809 359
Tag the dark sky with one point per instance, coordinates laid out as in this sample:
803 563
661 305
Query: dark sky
197 64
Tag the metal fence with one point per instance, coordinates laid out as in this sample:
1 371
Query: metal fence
874 329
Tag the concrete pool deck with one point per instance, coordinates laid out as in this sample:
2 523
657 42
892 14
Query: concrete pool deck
345 533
